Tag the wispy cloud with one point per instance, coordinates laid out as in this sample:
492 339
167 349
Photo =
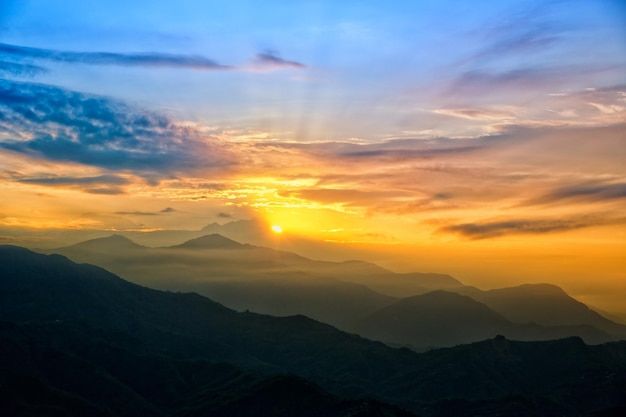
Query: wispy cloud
166 210
475 113
524 31
590 192
345 196
111 58
17 60
389 150
102 184
56 181
608 109
270 60
20 69
494 229
137 213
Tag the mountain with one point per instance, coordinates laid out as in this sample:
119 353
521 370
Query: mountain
442 318
247 261
260 279
258 232
341 304
103 244
346 294
213 241
541 303
438 318
69 369
80 338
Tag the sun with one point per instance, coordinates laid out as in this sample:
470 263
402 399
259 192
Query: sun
277 229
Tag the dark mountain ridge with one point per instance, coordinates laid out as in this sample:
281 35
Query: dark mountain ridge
213 241
546 304
70 322
442 318
113 242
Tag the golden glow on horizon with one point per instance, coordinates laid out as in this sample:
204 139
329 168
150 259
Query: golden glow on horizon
277 229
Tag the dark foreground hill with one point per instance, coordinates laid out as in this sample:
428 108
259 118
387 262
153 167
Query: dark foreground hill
78 340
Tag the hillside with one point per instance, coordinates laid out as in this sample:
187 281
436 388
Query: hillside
541 303
442 318
90 322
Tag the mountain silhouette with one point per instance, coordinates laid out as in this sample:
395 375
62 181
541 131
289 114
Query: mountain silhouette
438 318
80 338
346 294
103 244
213 241
541 303
264 280
442 318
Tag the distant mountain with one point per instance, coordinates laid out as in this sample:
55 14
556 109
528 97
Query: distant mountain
345 294
256 261
341 304
442 318
253 230
541 303
78 338
213 241
260 279
438 318
103 244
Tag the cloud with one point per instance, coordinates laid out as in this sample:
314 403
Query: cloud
166 210
493 229
608 109
102 184
110 58
388 150
223 215
270 60
105 191
20 70
523 80
583 192
12 59
405 154
524 42
62 181
343 195
50 123
523 31
475 114
474 81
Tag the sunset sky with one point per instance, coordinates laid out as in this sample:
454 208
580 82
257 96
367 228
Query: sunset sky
484 139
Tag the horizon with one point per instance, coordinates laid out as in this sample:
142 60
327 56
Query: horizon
482 141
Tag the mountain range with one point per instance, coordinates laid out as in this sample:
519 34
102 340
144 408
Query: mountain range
78 340
419 310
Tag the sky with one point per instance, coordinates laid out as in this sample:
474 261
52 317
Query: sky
484 139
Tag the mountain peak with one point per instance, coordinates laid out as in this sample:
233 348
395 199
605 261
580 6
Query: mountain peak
543 288
212 241
115 241
236 224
